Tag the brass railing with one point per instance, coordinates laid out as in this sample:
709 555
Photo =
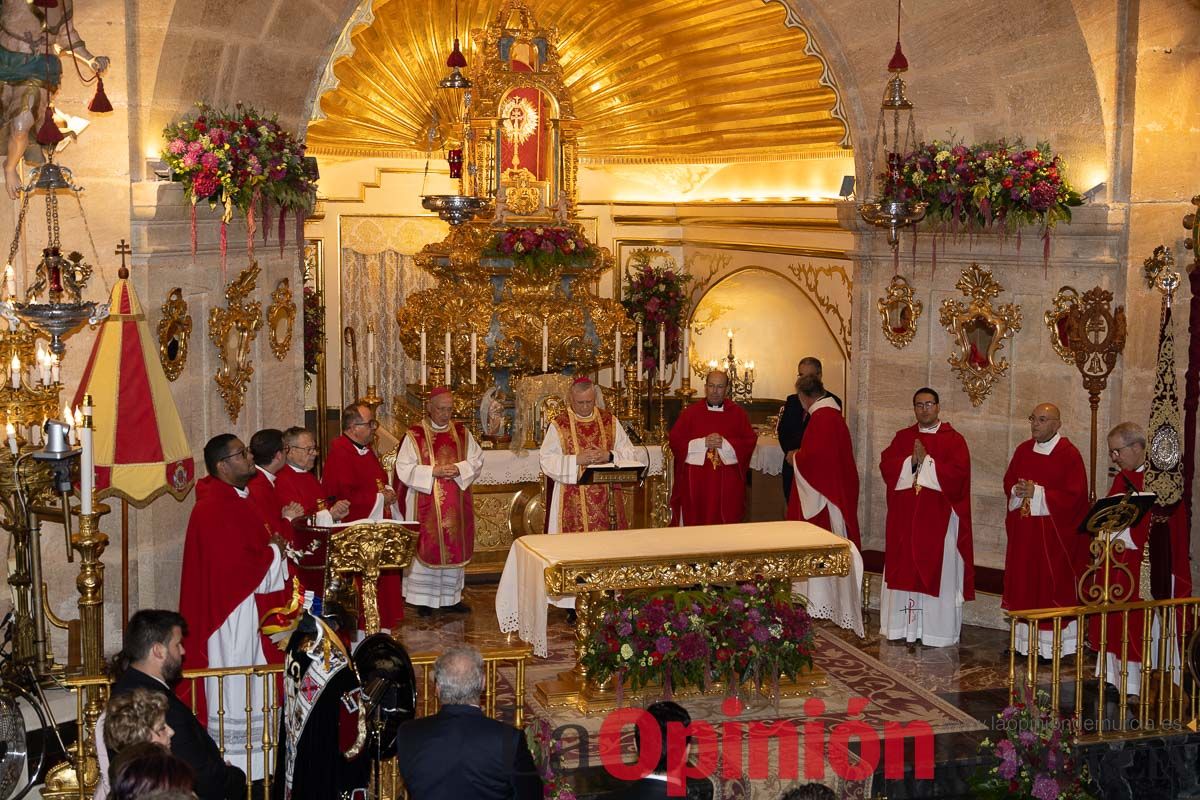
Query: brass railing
1149 691
264 750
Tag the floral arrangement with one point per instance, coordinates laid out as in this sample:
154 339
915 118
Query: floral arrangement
656 296
1036 757
546 750
983 185
240 160
314 323
541 248
736 634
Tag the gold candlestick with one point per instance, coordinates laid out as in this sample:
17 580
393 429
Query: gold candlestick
660 388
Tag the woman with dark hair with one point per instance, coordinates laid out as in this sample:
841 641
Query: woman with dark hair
147 767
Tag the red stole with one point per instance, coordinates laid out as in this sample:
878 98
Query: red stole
713 493
1046 555
1131 558
917 521
585 508
226 554
826 460
446 515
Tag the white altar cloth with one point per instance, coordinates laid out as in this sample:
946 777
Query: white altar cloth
767 458
521 466
521 595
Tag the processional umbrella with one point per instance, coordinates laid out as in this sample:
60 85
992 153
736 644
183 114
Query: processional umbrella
141 451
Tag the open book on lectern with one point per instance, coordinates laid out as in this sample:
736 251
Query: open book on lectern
613 472
1117 512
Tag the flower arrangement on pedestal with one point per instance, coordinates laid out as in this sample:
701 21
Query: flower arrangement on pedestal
241 160
1036 756
696 638
983 185
655 296
541 248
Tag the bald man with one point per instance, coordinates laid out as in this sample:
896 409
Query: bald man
1047 490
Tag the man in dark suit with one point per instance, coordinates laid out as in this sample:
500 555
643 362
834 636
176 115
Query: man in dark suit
654 785
458 752
152 658
793 419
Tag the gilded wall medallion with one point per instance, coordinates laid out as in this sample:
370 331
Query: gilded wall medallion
1058 322
979 331
899 312
281 319
233 330
174 332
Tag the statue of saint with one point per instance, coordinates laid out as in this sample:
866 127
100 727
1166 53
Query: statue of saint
492 415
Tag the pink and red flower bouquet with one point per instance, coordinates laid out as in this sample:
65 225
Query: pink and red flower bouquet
541 247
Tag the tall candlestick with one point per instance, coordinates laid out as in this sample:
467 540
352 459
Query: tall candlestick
14 374
662 352
86 466
423 372
545 346
640 359
687 346
446 350
474 345
370 355
617 360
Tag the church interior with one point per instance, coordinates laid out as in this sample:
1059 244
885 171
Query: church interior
506 196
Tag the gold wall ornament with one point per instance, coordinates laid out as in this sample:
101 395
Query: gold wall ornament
979 331
233 330
1096 332
281 319
899 312
1058 322
174 332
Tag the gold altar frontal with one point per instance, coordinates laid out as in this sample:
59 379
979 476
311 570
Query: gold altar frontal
590 565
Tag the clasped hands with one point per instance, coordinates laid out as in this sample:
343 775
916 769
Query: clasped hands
713 441
918 455
590 456
1024 489
445 471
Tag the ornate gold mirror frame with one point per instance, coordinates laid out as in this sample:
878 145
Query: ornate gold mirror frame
281 319
979 331
174 332
899 312
233 331
1058 322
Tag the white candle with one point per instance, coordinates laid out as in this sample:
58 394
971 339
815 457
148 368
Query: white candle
474 344
370 356
54 373
446 349
639 352
14 373
687 346
545 347
617 360
423 372
86 467
67 418
10 283
43 366
12 437
662 352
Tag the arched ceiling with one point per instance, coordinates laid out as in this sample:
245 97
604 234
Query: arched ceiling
652 81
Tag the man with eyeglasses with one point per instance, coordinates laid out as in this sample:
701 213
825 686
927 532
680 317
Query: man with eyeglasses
1047 489
266 448
231 557
928 569
296 482
711 441
353 473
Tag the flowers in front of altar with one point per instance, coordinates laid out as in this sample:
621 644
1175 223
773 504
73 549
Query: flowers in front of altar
540 248
546 749
1034 757
313 325
761 634
240 160
656 295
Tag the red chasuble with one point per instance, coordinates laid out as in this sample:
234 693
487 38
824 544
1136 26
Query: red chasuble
826 460
267 500
299 487
585 508
917 521
357 478
713 493
1046 555
1132 559
446 515
226 554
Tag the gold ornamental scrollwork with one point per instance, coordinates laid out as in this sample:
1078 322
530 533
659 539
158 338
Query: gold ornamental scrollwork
1097 334
979 331
1058 322
809 277
281 319
233 330
899 312
174 333
366 548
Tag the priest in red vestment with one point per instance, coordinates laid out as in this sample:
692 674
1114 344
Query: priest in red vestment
353 473
1047 490
825 493
928 569
231 555
266 447
711 442
296 483
438 460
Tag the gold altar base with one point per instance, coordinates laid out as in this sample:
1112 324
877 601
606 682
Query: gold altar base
566 691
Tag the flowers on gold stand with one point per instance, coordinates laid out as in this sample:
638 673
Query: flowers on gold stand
654 296
541 248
